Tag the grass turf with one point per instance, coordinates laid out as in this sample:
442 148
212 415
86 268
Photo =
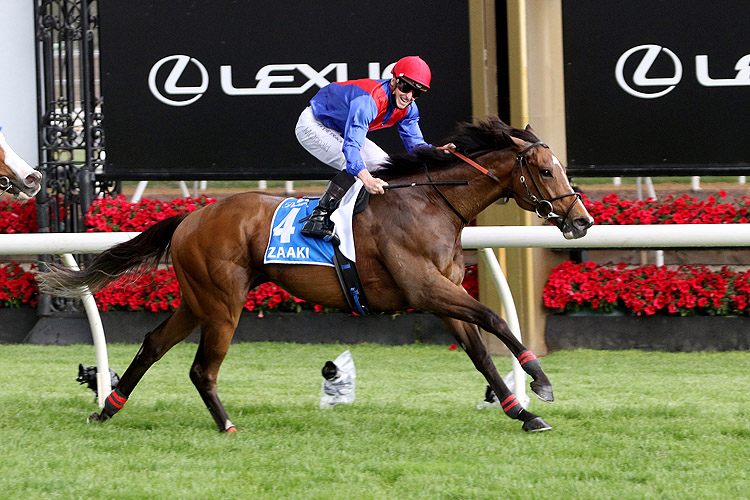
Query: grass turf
626 425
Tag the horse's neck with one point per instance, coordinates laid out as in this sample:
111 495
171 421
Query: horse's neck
480 193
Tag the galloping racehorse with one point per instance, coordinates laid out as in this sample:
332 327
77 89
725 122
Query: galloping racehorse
408 247
16 176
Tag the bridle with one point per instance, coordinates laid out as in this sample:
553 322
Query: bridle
522 163
5 185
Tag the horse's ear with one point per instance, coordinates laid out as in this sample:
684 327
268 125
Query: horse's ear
529 129
512 141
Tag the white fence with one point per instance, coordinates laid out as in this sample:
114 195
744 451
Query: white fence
482 238
625 236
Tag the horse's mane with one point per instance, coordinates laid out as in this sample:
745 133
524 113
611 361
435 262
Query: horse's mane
487 135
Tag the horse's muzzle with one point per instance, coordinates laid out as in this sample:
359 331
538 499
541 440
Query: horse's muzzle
576 227
32 183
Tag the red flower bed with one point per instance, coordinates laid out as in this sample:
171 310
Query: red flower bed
17 287
683 291
17 217
683 209
161 292
118 214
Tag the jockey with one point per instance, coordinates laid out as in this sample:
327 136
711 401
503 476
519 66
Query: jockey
334 128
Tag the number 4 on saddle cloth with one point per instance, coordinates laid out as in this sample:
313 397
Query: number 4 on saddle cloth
286 244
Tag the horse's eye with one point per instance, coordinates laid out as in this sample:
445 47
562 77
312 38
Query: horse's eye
546 173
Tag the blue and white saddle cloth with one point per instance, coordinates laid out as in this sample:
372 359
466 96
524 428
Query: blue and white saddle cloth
286 245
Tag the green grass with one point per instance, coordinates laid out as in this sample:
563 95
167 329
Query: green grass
627 425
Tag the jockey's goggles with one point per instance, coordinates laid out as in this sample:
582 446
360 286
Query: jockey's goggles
407 86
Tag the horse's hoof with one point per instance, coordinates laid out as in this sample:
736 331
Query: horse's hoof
536 425
543 390
94 417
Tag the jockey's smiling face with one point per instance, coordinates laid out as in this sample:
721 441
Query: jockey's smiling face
404 91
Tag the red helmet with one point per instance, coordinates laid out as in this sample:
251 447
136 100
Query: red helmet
413 68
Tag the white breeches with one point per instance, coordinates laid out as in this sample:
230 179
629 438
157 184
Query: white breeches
325 143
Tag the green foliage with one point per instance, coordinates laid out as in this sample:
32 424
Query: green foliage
627 425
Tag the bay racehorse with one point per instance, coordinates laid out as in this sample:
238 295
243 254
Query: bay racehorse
16 176
408 247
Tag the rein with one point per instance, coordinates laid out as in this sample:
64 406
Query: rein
434 186
471 162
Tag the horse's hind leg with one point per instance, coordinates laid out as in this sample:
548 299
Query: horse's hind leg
156 343
468 337
215 340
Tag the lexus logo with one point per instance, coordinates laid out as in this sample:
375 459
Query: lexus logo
649 56
170 85
639 76
272 79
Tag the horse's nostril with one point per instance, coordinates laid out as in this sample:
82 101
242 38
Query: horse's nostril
33 179
583 222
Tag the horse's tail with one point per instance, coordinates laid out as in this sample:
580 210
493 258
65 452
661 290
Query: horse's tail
145 250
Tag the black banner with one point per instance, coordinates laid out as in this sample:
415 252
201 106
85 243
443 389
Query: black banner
212 90
657 87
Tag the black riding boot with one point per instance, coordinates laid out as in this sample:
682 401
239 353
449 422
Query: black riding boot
318 226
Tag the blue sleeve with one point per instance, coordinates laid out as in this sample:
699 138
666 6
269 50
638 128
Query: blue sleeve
408 129
362 112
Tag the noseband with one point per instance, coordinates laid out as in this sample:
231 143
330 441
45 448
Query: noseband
522 162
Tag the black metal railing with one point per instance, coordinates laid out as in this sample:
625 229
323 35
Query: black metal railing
71 134
71 122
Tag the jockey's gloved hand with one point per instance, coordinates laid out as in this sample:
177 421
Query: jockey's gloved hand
447 148
373 185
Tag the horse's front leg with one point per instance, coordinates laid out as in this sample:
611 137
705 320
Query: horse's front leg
467 335
447 299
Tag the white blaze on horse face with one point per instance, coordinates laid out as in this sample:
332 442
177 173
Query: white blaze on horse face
558 164
556 161
26 176
569 234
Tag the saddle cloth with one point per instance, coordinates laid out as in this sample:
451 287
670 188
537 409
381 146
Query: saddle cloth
286 245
